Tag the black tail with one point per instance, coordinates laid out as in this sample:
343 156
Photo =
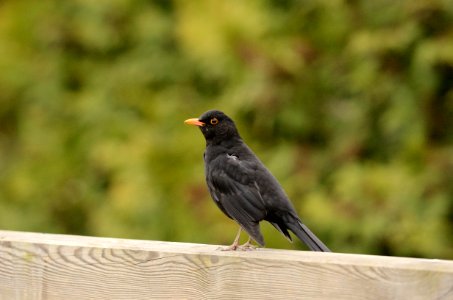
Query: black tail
308 237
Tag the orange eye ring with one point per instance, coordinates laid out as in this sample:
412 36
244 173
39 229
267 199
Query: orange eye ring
214 121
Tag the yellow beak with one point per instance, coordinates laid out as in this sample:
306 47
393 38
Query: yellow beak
194 121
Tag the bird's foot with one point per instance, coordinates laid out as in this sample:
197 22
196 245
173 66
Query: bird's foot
235 247
247 247
232 247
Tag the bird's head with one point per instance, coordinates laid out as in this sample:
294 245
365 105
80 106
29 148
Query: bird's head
215 126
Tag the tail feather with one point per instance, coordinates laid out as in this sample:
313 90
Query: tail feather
283 230
308 237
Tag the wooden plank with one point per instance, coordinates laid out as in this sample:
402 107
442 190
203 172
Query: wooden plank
50 266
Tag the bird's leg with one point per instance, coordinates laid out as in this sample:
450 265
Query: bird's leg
235 244
248 245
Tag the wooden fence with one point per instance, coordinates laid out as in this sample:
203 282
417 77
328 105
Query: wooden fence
50 266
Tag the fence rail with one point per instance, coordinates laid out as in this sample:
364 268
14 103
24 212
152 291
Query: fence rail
51 266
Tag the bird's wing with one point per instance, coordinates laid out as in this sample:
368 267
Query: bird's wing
232 186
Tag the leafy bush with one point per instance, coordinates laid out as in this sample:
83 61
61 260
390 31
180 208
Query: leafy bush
349 103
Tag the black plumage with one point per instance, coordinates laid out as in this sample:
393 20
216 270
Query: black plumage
242 187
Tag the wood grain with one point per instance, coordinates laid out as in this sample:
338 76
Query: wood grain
49 266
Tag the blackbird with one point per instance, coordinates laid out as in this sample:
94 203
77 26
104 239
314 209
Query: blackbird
243 188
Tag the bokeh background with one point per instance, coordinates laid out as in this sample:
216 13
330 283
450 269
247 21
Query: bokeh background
349 104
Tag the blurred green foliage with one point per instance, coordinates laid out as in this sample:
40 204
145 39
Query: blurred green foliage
349 103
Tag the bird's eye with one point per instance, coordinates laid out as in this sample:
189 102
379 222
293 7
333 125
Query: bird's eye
214 121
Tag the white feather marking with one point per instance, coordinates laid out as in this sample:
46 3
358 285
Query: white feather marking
232 156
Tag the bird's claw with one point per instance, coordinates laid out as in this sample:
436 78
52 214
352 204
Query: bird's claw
229 248
247 247
235 247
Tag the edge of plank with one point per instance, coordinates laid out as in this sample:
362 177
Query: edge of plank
436 265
